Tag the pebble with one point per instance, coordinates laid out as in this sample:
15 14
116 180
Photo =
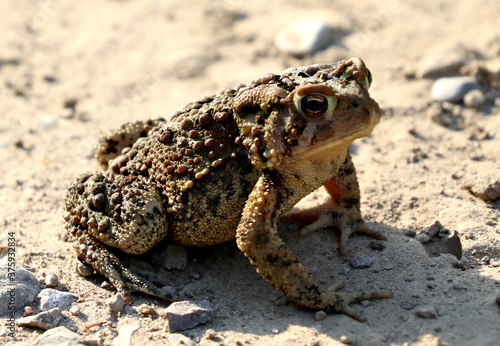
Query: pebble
169 292
303 37
44 320
26 291
495 263
187 314
429 232
51 298
75 310
115 304
348 339
70 103
425 311
125 332
84 269
67 113
452 89
319 315
361 261
146 310
174 257
51 280
474 99
47 121
59 336
485 185
409 233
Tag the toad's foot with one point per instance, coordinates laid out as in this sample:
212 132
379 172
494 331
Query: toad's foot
102 213
341 211
257 238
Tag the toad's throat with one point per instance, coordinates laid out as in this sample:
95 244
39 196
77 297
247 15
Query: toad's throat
303 152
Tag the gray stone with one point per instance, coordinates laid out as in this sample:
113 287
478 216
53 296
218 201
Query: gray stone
25 289
429 232
452 89
116 303
361 261
44 320
319 315
187 314
348 339
84 269
303 37
51 280
51 298
174 257
425 311
474 99
59 336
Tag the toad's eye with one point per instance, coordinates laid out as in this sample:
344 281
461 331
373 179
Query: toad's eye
314 105
314 100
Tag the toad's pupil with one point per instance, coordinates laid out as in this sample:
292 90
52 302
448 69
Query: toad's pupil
314 105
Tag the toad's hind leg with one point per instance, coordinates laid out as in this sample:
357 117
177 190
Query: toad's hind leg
342 210
113 142
127 214
257 238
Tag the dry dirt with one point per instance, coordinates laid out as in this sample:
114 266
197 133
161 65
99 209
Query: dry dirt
129 60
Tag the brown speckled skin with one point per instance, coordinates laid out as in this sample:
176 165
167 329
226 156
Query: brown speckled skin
227 167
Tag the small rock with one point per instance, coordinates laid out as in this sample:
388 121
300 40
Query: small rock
303 37
361 261
452 89
70 103
187 314
377 245
497 299
348 339
425 311
280 301
495 263
47 121
174 257
84 269
319 315
26 288
44 320
28 311
474 99
125 334
67 113
51 298
59 336
51 280
429 232
146 310
116 304
75 310
485 185
409 233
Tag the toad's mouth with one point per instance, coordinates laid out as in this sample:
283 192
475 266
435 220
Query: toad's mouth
325 146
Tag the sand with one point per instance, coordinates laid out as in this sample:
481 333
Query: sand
135 60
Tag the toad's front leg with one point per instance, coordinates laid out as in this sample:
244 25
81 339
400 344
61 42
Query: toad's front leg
257 238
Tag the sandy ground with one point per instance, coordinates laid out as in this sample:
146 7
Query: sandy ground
129 60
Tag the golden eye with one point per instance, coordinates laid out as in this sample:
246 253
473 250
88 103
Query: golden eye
314 105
